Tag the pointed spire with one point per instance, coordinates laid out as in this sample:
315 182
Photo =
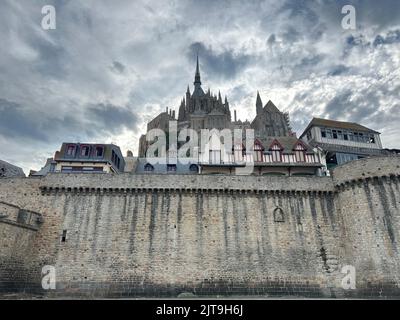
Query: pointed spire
219 96
181 112
259 105
227 105
197 80
188 90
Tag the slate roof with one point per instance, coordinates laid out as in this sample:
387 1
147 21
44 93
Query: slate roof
9 170
319 122
270 107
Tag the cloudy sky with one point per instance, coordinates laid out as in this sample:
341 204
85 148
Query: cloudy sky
110 66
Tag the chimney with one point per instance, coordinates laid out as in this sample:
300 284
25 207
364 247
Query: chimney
235 116
166 110
173 114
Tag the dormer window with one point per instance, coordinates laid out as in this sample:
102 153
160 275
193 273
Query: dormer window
300 152
258 151
85 151
99 151
71 150
276 152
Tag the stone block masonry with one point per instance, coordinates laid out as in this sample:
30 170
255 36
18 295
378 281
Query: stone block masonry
161 235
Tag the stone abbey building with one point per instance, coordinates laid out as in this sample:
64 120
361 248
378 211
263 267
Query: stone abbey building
112 233
276 149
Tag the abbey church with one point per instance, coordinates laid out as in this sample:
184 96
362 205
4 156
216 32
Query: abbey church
204 110
277 150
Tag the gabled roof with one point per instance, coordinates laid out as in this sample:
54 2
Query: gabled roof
319 122
257 141
274 143
270 107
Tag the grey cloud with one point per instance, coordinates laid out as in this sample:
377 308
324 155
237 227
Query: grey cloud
52 59
271 40
15 122
338 70
301 8
352 108
299 120
340 104
382 13
226 64
360 40
293 48
118 67
291 34
111 118
312 60
18 122
391 37
305 66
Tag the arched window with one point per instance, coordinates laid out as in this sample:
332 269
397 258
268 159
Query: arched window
278 215
148 167
194 168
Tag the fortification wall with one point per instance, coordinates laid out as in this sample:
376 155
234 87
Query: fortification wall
155 235
17 240
369 205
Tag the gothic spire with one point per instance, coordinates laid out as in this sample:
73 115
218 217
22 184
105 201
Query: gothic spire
181 114
197 75
259 105
227 105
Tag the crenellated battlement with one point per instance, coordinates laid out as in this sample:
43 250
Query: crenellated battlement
128 191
